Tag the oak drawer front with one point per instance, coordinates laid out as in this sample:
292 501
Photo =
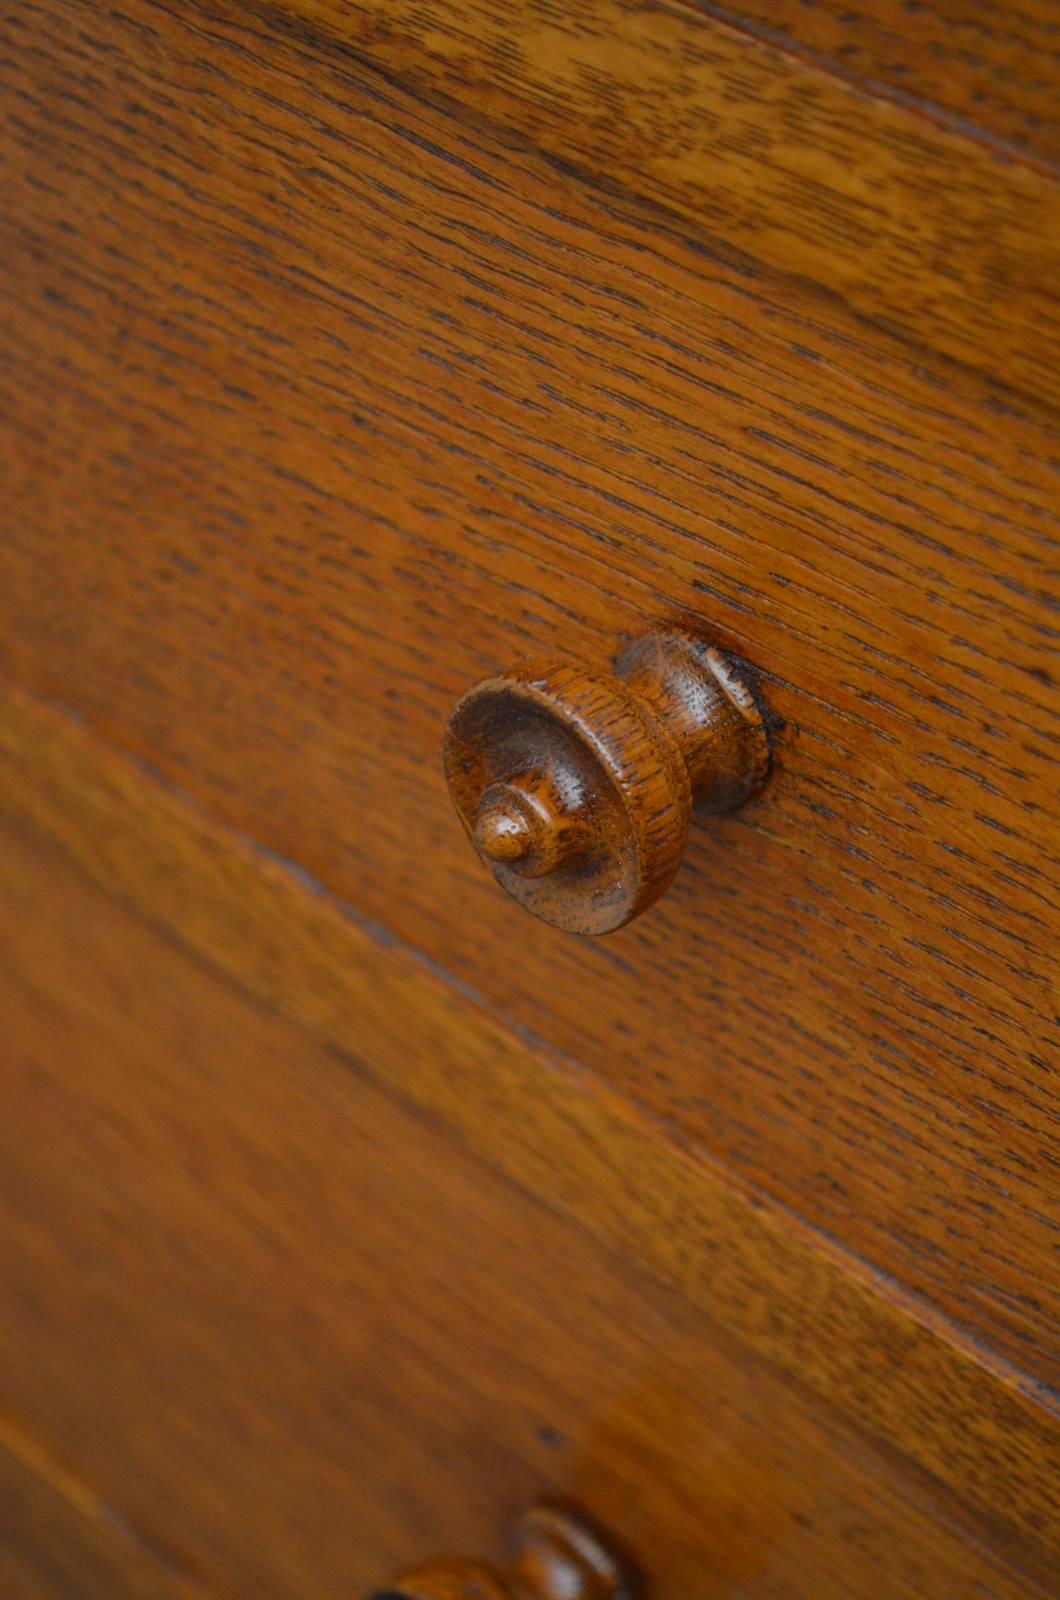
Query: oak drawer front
326 403
294 1335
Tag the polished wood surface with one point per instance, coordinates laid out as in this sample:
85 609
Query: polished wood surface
576 788
919 228
991 66
560 1556
321 404
347 354
294 1331
60 1541
890 1365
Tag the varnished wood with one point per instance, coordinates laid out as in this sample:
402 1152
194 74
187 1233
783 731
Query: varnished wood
298 445
559 1556
60 1541
919 228
888 1363
576 788
295 1331
319 399
993 67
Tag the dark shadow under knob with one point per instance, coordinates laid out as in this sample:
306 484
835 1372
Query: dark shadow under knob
576 787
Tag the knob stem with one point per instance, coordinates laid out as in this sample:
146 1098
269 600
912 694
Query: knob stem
707 701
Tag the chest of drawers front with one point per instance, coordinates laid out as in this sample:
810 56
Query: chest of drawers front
329 388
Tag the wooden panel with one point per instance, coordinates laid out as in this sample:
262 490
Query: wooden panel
890 1364
294 1329
58 1541
919 228
318 409
994 66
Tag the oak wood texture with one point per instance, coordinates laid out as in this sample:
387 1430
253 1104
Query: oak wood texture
320 404
994 67
890 1364
918 228
576 787
559 1555
258 1302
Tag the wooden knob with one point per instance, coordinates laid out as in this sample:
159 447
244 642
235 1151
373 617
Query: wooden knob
559 1556
576 787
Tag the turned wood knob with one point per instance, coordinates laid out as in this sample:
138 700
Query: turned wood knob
576 787
559 1556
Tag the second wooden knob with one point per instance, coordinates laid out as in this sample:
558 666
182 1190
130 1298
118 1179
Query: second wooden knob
558 1556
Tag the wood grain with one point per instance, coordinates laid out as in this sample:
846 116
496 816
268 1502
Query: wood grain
994 67
889 1364
918 228
318 408
58 1541
257 1302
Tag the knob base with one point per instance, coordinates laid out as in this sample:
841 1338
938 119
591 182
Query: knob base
708 701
